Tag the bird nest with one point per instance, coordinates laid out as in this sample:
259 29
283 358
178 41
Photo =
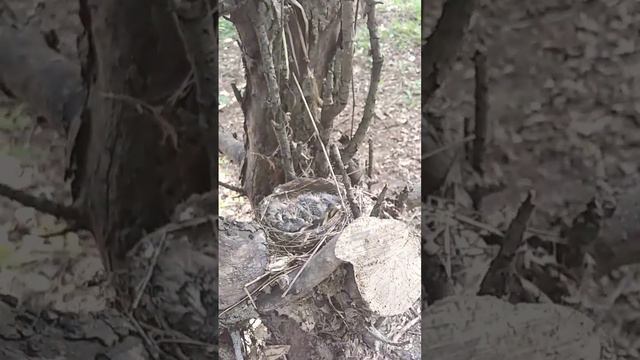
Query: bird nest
301 213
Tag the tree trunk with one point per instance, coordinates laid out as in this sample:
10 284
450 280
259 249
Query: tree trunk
312 37
128 173
439 51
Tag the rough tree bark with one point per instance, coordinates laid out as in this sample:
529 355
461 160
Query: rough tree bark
135 157
297 60
134 151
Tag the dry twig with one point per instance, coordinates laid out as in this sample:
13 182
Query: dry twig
278 117
376 71
335 154
47 206
448 147
232 188
396 337
145 281
380 337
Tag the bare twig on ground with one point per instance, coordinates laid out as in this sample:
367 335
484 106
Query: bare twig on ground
195 25
375 212
140 289
396 337
69 213
231 187
448 147
335 154
481 111
278 119
380 337
500 279
376 71
443 44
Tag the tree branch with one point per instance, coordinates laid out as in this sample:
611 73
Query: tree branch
443 44
68 213
376 70
331 110
232 188
277 115
196 26
335 154
335 99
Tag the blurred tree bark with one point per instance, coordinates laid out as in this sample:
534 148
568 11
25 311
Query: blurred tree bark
137 149
439 52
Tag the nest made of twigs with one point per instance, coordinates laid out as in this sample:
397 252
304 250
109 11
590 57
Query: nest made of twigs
301 213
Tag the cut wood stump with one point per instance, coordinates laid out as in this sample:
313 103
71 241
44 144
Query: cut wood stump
385 256
486 328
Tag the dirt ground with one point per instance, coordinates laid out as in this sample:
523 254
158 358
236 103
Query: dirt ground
58 271
564 81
